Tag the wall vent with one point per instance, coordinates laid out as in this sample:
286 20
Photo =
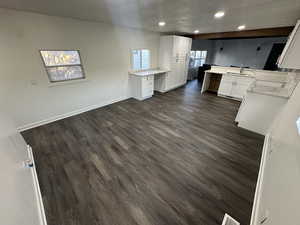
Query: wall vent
228 220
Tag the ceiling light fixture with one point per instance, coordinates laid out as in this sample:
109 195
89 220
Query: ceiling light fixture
161 23
196 32
242 27
219 14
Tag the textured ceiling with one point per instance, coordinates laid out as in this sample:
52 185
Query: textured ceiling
180 15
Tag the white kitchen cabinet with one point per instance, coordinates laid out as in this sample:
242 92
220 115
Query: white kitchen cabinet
291 53
162 82
240 85
147 86
234 86
142 86
174 56
225 85
258 111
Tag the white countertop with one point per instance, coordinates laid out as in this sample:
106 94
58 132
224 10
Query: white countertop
275 76
275 88
148 72
273 83
276 92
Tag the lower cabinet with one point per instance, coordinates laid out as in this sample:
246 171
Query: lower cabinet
147 86
234 86
225 85
142 86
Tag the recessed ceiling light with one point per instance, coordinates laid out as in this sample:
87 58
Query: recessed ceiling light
219 14
196 32
242 27
161 23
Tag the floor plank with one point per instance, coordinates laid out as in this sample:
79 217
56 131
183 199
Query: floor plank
177 158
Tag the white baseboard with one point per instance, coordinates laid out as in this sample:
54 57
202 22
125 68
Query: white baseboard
66 115
170 89
229 97
142 99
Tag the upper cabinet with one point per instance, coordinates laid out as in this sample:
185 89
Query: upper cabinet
290 56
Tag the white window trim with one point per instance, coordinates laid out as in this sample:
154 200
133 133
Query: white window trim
63 82
200 57
131 59
67 82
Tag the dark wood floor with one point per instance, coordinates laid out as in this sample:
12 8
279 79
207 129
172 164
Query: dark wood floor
177 158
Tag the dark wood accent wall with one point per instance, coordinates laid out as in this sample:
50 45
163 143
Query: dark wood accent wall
267 32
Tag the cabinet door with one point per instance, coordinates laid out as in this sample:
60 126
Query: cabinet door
183 59
174 76
147 86
226 85
180 73
168 81
238 90
186 53
244 80
240 86
176 46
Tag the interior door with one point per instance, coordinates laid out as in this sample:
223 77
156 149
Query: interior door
276 51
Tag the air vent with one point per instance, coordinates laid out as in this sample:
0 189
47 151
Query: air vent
228 220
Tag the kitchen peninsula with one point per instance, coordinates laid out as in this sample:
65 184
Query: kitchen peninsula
263 93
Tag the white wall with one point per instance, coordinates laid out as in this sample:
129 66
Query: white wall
25 92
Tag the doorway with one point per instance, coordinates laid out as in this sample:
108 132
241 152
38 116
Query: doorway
276 51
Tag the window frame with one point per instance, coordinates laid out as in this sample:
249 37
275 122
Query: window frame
141 61
63 50
200 58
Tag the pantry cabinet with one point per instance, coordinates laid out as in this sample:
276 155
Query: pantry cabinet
174 55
